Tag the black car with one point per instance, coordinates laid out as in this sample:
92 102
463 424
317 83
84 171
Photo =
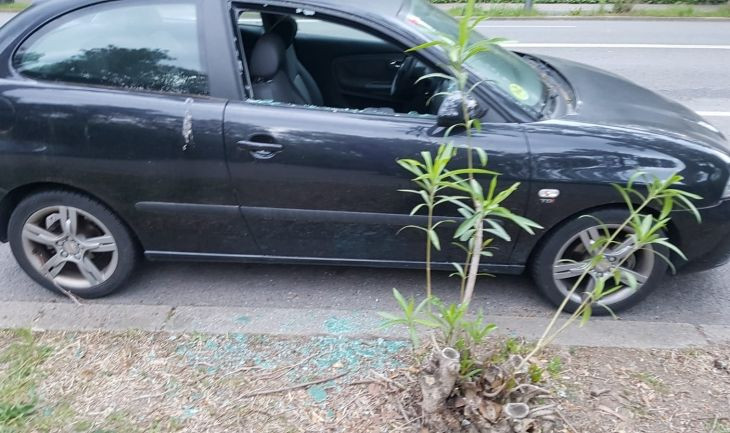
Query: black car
268 131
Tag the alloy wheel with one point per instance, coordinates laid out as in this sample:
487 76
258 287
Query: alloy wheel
577 255
70 247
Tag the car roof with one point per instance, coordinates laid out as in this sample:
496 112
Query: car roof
377 7
360 7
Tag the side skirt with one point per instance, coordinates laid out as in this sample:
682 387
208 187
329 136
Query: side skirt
236 258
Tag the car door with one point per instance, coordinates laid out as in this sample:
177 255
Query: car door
323 184
114 100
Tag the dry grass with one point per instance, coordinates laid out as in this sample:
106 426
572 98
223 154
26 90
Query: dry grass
136 382
608 390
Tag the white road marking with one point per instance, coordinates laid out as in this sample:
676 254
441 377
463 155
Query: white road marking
513 44
492 26
714 113
258 20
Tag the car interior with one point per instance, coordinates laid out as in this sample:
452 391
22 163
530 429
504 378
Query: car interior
333 65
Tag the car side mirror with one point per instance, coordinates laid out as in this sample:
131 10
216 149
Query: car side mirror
451 111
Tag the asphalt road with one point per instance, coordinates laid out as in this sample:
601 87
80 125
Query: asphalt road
653 53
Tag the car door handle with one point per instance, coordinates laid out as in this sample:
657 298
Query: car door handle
255 146
261 147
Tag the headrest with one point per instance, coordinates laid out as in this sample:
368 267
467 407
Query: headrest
283 25
267 57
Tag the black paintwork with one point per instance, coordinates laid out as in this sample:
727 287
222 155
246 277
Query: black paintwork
323 186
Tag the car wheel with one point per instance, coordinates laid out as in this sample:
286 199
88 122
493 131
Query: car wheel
63 239
564 255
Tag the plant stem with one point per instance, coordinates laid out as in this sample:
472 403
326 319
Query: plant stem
429 289
478 240
467 266
474 265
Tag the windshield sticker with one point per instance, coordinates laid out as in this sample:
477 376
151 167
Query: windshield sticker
519 92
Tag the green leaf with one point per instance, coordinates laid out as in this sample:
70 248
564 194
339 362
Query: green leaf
390 317
598 289
497 230
468 224
425 46
443 222
456 173
400 299
482 155
586 314
624 196
665 242
428 323
475 22
476 189
461 247
412 227
667 261
667 207
459 269
434 239
631 280
458 202
417 208
687 204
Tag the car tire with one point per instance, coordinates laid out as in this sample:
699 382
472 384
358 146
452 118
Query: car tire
554 276
68 240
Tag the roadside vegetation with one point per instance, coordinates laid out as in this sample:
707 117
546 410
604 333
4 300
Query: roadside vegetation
622 10
14 6
134 382
20 363
676 11
657 2
461 389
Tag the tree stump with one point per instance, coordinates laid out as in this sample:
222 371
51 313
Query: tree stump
438 378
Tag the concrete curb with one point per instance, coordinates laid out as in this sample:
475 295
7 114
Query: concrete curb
354 324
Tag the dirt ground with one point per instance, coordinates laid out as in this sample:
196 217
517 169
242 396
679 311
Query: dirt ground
138 382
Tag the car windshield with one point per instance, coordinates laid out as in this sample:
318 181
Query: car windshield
504 69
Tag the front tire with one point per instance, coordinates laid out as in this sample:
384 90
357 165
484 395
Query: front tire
564 255
64 239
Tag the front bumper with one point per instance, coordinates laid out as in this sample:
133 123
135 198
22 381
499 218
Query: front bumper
706 244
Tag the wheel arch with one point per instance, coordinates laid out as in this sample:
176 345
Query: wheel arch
11 200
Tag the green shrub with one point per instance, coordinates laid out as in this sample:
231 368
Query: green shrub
667 2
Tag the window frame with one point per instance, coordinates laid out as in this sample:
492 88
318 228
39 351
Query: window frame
202 37
357 23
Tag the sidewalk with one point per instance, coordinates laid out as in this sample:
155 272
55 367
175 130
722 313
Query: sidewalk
322 322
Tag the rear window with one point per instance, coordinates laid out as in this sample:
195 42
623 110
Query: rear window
131 46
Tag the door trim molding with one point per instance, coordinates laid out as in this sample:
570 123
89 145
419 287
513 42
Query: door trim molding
187 208
262 259
331 216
